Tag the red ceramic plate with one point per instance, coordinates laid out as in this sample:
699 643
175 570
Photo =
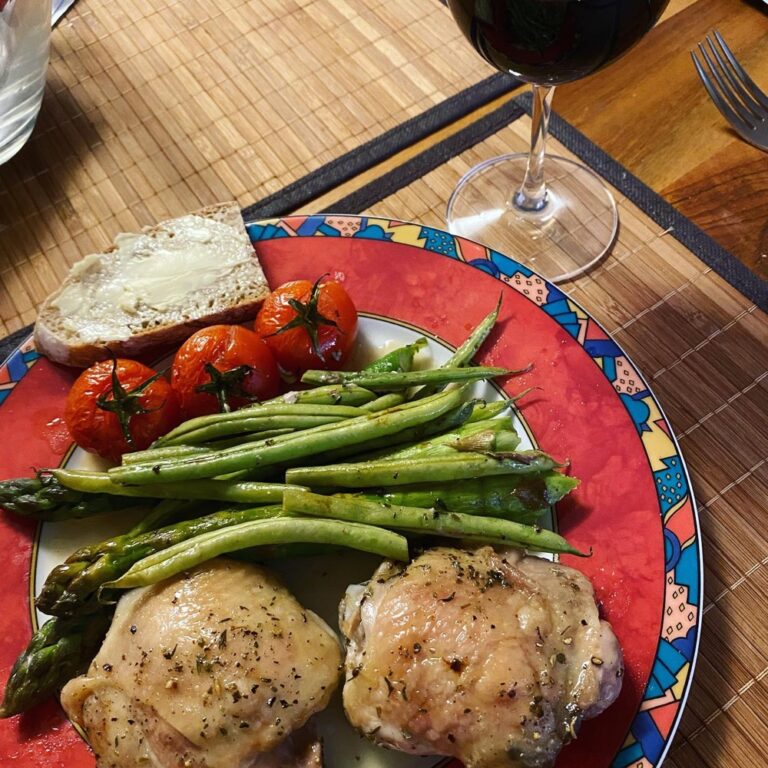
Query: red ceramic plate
634 507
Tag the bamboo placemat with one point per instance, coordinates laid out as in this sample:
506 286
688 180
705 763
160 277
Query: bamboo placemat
701 344
155 109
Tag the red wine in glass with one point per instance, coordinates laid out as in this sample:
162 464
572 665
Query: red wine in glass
563 227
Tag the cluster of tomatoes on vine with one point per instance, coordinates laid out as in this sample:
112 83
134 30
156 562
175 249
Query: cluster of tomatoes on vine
121 405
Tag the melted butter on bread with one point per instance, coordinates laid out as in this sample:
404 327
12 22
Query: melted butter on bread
153 288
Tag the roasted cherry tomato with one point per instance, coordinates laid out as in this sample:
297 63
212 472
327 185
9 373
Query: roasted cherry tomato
222 368
117 406
308 326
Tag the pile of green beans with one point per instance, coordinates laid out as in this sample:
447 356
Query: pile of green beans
361 460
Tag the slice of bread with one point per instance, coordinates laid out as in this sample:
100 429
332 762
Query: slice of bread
154 289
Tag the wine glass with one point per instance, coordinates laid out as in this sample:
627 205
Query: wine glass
563 223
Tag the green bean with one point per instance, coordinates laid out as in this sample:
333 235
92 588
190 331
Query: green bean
395 381
498 441
343 394
192 552
464 354
230 442
292 448
299 434
400 359
432 521
522 498
255 426
431 445
150 455
200 490
166 452
70 587
256 419
456 439
462 466
390 400
488 410
295 405
448 421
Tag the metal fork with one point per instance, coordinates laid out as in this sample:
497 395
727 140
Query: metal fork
734 92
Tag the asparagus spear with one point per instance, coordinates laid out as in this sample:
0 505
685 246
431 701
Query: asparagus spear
292 448
60 650
427 521
44 498
70 586
94 493
462 466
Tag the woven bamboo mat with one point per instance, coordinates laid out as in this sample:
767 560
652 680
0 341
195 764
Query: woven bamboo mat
153 110
702 346
156 109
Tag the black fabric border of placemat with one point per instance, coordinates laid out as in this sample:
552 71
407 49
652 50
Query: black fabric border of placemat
10 342
371 153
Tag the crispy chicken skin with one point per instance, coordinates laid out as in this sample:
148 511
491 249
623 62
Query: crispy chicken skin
219 667
492 658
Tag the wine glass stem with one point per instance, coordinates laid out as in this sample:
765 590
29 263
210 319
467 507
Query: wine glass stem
532 195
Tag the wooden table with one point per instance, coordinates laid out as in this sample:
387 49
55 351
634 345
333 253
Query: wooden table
157 108
651 113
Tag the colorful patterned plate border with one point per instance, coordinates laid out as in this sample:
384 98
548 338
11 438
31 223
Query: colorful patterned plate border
650 734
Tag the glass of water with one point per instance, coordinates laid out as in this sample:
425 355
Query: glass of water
25 34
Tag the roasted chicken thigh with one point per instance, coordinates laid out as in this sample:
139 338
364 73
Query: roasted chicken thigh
490 657
219 667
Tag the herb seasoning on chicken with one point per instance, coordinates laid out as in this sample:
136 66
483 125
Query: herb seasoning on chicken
492 658
219 667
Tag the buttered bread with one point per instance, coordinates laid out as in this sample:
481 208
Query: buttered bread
153 289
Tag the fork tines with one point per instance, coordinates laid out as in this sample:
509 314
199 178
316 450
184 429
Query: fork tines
732 90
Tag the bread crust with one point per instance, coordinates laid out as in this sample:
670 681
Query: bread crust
82 355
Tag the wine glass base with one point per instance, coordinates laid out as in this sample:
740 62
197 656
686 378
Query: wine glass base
568 236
